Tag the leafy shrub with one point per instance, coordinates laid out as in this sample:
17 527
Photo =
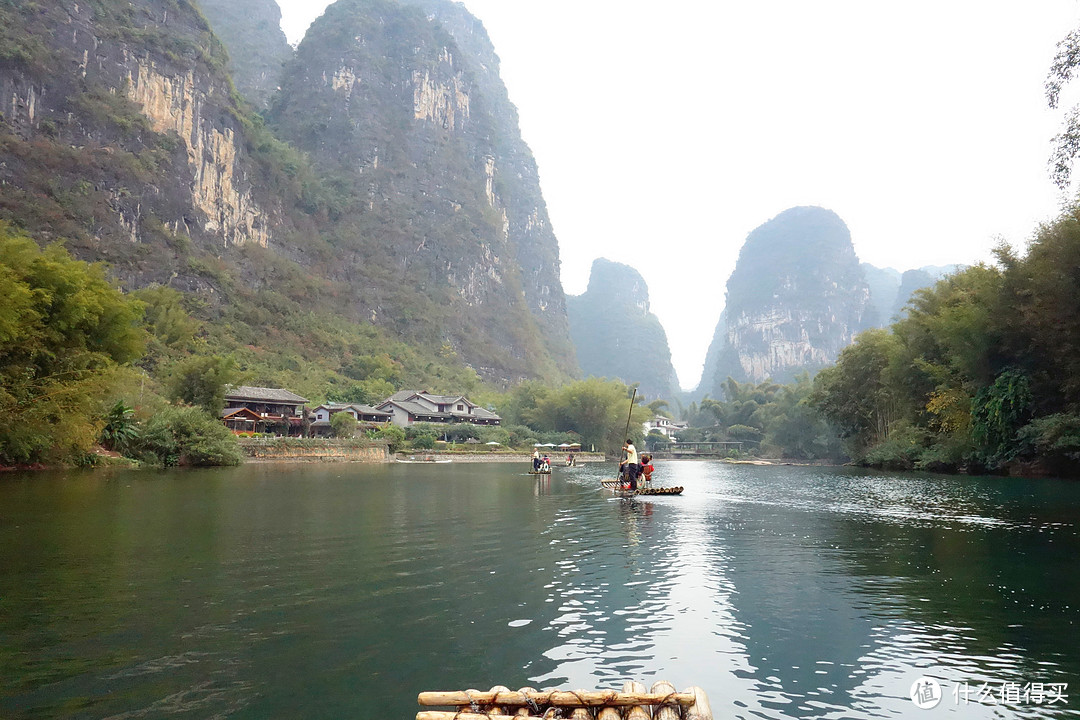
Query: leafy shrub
902 450
424 442
120 430
186 436
393 435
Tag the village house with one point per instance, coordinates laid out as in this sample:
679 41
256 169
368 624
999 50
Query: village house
363 414
409 407
263 410
665 426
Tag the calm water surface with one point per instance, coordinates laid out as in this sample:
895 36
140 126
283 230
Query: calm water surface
342 591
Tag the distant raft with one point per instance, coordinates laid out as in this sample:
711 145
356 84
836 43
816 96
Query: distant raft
635 702
617 486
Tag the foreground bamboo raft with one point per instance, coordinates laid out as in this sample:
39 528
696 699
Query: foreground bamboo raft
635 702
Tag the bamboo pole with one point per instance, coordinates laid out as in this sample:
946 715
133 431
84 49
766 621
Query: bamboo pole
441 715
667 711
608 713
636 712
558 698
626 433
523 711
496 710
579 713
700 710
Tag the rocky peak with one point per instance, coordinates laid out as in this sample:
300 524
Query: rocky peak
615 334
796 298
619 284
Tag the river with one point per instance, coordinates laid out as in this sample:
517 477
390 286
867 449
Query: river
342 591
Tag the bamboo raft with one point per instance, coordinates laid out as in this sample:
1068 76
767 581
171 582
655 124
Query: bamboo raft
635 702
617 485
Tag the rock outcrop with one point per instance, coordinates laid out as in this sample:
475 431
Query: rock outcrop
617 336
796 298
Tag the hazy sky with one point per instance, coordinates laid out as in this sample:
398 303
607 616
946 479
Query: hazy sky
666 132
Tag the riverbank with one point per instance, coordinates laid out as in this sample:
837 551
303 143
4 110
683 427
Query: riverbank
330 450
490 457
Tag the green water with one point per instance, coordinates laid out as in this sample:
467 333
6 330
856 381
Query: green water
342 591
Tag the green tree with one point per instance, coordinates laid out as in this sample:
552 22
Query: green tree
63 331
393 435
999 412
1067 143
166 317
856 394
202 380
424 441
343 425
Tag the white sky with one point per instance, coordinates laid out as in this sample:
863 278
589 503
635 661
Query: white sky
666 132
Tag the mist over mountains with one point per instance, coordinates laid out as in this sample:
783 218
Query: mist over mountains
367 195
798 295
615 333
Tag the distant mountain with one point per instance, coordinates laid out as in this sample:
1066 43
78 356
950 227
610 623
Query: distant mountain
797 297
884 285
258 49
890 290
616 335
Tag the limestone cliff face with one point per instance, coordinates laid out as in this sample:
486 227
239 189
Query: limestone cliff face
615 333
389 103
182 165
796 298
514 180
218 186
258 49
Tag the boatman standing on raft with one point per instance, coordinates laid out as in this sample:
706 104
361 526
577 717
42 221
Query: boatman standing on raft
632 466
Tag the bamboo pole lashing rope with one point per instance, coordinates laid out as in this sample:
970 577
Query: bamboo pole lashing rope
667 711
558 698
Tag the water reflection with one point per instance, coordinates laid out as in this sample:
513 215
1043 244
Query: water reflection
308 591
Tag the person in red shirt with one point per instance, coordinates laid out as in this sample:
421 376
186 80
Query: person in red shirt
647 469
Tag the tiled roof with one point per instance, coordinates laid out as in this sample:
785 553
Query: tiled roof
417 409
445 399
261 394
362 409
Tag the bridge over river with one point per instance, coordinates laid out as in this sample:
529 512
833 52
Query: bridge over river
699 450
